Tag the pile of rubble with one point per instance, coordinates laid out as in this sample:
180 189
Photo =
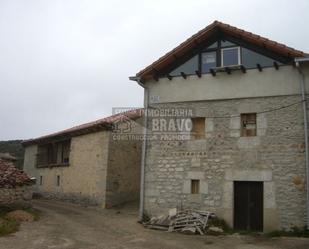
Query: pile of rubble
186 221
11 177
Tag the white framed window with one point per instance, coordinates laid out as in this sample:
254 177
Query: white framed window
230 56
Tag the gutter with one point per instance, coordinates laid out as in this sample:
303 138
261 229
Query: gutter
144 149
298 62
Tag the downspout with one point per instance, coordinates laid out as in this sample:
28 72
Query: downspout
144 149
304 104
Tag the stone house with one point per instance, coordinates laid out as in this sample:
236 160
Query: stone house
227 112
15 185
87 163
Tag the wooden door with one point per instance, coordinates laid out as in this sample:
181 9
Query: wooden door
248 205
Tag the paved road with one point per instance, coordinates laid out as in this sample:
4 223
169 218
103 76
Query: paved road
68 226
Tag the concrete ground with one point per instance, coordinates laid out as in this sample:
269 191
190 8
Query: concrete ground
64 225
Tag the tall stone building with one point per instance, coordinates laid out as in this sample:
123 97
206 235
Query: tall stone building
226 121
88 163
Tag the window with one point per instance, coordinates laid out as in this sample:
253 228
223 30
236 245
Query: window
221 53
195 186
53 154
198 128
58 180
225 44
214 45
189 67
230 56
248 124
250 59
209 60
41 180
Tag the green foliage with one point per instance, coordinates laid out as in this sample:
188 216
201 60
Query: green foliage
15 148
218 222
8 227
36 213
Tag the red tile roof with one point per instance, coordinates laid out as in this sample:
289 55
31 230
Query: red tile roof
205 34
97 125
11 177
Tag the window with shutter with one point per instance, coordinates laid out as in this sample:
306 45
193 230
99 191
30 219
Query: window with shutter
248 124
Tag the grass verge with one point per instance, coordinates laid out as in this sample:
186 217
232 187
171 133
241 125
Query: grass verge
8 226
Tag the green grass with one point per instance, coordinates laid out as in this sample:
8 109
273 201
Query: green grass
36 213
8 226
295 232
217 222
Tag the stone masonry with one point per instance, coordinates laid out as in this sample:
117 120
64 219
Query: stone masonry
275 156
17 195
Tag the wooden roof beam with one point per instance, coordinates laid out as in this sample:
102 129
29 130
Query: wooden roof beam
259 67
183 75
198 73
213 72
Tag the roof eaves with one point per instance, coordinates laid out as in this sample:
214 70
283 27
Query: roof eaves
171 56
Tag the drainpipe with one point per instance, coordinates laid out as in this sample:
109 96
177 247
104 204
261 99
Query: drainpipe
144 148
304 103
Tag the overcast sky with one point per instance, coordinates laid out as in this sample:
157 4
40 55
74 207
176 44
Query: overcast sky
66 62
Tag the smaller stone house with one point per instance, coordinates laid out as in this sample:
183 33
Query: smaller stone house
93 163
15 185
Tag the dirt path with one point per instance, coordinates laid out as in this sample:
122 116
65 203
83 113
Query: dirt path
70 226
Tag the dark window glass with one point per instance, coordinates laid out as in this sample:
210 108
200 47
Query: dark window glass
195 186
54 154
209 60
189 67
212 46
227 44
250 59
230 56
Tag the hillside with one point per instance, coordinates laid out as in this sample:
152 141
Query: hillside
15 148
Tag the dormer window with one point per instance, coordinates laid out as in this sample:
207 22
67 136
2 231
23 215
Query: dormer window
230 56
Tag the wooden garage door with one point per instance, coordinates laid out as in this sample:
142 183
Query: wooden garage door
248 206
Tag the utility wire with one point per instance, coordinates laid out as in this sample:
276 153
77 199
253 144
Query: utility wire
261 112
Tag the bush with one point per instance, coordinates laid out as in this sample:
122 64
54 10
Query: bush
218 222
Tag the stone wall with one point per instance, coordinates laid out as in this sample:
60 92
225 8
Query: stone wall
20 195
275 156
124 160
84 180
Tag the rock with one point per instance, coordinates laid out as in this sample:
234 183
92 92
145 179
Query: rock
172 212
19 215
189 230
215 229
27 195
